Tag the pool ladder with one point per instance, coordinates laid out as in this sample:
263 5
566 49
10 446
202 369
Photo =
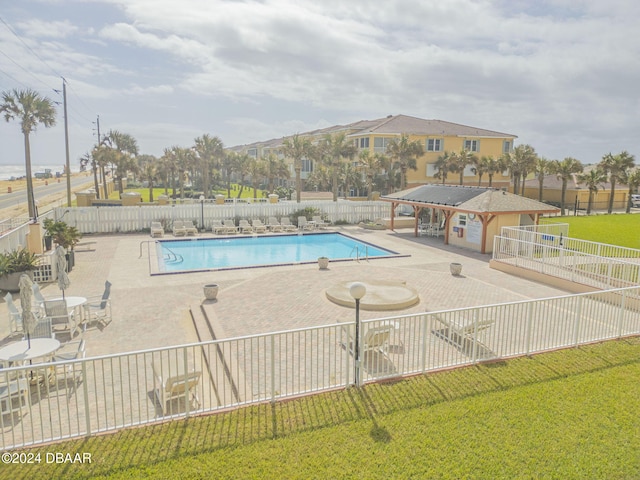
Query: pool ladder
356 248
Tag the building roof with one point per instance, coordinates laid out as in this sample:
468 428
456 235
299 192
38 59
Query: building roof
390 125
469 199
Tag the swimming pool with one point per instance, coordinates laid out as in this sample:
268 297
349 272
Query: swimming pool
188 255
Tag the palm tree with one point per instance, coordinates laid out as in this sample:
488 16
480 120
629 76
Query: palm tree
443 166
459 161
335 149
541 169
480 167
147 166
615 166
494 165
404 155
257 171
240 163
520 162
564 170
320 178
298 149
124 149
593 180
30 109
372 165
84 161
209 150
349 176
275 168
632 179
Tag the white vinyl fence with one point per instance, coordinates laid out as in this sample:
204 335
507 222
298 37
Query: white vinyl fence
120 219
106 393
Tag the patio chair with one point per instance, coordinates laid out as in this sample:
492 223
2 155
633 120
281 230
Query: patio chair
15 317
172 383
287 226
319 222
98 309
37 294
43 329
245 227
230 227
157 230
377 338
189 228
304 225
258 226
58 313
14 395
274 225
70 351
179 230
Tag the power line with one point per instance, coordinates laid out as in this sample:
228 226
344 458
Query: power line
29 48
25 70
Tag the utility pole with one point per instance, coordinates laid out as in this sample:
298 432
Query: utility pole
93 161
66 140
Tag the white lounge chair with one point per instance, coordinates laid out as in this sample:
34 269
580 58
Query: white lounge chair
14 395
157 230
258 226
303 224
179 229
244 226
189 227
274 224
458 332
230 227
319 222
173 382
287 226
217 227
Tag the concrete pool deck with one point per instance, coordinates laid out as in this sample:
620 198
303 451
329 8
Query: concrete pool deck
154 311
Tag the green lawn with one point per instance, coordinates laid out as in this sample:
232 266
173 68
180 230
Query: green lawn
570 414
247 192
622 229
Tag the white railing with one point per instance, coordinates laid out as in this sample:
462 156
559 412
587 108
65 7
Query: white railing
138 218
110 392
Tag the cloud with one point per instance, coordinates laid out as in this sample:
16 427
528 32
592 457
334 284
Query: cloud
43 29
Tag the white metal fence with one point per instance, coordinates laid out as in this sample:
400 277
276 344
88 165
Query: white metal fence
138 218
110 392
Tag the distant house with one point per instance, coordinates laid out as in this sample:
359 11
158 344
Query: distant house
469 216
577 194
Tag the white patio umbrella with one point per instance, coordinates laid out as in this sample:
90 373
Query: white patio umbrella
61 267
29 320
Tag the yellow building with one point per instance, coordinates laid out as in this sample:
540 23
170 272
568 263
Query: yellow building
435 136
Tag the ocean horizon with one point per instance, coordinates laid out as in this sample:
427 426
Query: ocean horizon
18 170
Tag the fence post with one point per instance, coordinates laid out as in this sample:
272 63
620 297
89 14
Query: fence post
474 351
273 368
576 325
621 312
85 392
527 347
424 343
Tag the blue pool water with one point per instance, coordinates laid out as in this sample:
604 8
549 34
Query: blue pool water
225 253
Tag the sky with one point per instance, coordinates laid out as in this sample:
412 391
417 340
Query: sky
562 75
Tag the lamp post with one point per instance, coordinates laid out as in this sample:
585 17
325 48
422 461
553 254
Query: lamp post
202 211
357 290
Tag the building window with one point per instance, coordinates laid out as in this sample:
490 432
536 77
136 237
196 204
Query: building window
431 169
380 144
462 219
434 144
472 145
362 142
253 152
307 166
507 146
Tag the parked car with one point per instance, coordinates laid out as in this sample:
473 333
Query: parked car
635 201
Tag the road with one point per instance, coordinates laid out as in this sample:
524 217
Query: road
9 200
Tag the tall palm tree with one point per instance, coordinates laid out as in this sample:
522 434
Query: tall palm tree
30 109
632 179
371 165
494 165
257 171
320 178
240 164
480 167
615 166
275 168
147 166
541 169
520 162
124 149
443 166
298 148
349 176
84 161
209 150
593 180
564 170
459 161
404 155
335 150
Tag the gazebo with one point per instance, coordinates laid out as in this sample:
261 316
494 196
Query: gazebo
469 216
